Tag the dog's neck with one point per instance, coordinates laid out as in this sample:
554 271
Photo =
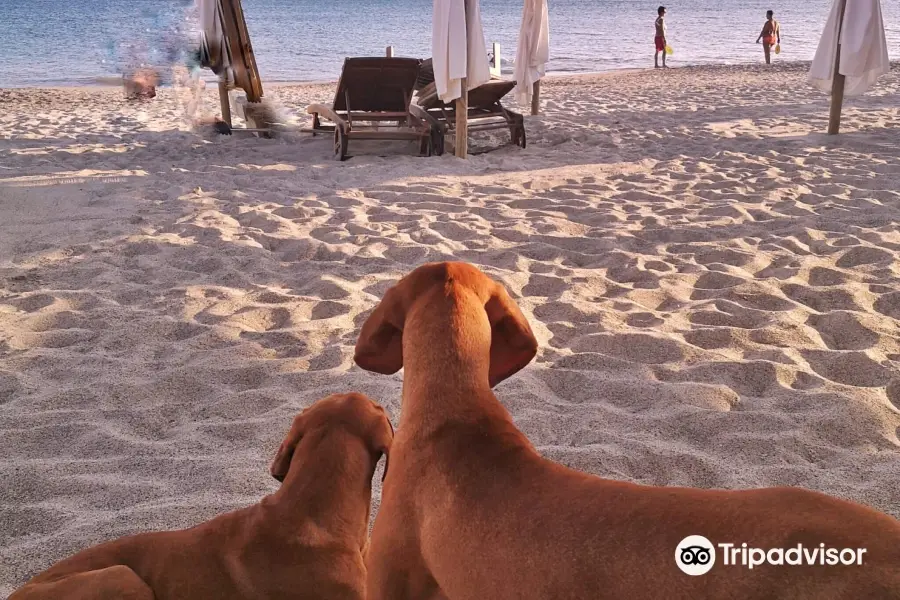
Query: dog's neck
446 356
329 484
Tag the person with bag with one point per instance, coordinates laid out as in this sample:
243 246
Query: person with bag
770 36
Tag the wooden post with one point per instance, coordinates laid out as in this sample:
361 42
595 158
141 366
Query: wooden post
837 82
536 98
462 104
389 52
223 100
462 121
496 65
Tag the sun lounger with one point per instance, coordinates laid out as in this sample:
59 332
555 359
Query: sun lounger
485 110
374 101
226 50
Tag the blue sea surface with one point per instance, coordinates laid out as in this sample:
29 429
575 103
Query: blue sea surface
78 42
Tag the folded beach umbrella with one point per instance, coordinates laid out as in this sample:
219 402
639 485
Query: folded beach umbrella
534 49
852 52
458 48
213 54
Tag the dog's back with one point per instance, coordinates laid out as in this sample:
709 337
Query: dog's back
271 566
559 533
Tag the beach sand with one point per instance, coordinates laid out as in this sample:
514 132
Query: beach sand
713 283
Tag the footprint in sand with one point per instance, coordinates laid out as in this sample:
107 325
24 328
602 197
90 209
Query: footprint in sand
757 378
636 347
327 309
285 344
714 338
893 395
725 257
729 314
544 286
863 255
52 339
716 281
822 276
34 302
329 358
749 297
889 305
822 300
261 319
555 312
843 331
269 297
326 290
848 368
643 319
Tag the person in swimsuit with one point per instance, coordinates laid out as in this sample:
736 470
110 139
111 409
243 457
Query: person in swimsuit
660 39
770 35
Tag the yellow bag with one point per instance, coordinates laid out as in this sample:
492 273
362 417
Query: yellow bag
669 49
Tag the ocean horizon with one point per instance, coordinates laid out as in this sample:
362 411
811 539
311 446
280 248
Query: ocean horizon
87 42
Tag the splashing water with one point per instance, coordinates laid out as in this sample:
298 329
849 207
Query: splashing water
165 41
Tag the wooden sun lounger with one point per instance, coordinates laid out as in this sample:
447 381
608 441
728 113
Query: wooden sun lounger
237 53
243 62
373 101
485 113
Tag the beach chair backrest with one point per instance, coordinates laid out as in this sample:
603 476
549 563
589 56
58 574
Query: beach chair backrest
243 62
377 84
488 94
484 96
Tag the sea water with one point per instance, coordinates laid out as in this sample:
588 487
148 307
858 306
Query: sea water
78 42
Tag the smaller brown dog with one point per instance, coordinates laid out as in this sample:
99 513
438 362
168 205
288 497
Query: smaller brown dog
305 541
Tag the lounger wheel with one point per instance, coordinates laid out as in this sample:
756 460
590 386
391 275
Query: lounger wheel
222 128
340 143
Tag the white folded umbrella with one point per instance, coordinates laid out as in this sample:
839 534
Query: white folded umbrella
864 55
212 35
458 48
533 52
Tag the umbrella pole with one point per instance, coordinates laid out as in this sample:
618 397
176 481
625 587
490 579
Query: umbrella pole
837 82
462 122
536 98
462 105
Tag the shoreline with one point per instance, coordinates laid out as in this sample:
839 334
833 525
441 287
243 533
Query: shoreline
110 82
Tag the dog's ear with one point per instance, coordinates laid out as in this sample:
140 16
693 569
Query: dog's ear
513 345
381 443
380 344
281 464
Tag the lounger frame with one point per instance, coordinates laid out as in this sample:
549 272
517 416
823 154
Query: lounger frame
485 113
373 101
243 74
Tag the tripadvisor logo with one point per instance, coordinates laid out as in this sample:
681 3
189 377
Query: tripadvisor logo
696 555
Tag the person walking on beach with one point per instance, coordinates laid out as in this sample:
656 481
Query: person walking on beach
770 35
660 39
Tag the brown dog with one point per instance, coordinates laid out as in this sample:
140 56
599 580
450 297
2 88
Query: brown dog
305 541
470 511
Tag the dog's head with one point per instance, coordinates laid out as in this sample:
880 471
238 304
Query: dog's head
355 413
380 344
